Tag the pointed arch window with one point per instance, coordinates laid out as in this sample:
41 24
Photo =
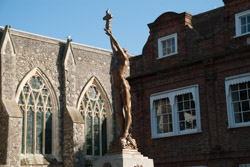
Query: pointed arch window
94 112
35 103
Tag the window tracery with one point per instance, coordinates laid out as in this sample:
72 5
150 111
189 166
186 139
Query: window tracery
36 106
93 110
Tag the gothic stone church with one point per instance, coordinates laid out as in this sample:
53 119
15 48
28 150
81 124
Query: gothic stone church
56 102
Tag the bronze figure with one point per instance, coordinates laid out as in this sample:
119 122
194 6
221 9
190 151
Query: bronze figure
121 88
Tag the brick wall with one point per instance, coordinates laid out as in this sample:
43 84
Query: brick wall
207 54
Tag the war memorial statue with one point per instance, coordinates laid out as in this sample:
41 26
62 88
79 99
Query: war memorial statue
121 87
122 150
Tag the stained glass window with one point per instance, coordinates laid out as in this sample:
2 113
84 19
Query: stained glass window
35 104
93 110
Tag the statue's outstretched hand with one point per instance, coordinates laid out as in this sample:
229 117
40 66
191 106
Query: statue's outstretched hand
108 32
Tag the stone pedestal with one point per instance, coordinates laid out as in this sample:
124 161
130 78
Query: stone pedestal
127 158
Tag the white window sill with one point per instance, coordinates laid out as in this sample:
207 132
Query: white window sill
240 35
240 125
168 55
180 134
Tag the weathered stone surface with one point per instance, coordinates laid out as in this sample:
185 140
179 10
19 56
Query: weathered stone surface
125 159
47 55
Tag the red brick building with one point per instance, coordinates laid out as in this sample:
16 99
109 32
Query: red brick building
191 89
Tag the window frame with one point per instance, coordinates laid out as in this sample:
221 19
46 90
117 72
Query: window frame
84 112
160 48
109 113
34 158
171 94
236 79
238 23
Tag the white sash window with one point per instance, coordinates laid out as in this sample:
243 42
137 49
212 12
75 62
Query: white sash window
175 112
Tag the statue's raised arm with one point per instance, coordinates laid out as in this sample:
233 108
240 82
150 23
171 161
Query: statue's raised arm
116 46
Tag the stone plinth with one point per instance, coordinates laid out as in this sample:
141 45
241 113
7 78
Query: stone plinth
127 158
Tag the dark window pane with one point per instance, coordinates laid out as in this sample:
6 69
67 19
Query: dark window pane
193 113
181 116
89 135
35 83
168 50
45 92
159 119
26 89
165 128
157 108
179 98
39 103
170 127
165 119
237 107
248 19
243 95
48 133
186 96
243 29
245 105
164 47
182 125
30 131
169 109
31 102
238 118
243 20
188 125
169 43
22 130
163 101
234 87
104 136
235 96
39 131
92 92
159 128
170 117
194 124
246 116
180 106
163 109
191 95
192 104
243 86
173 49
96 136
186 105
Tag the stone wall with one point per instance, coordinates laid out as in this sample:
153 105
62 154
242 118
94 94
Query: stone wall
47 55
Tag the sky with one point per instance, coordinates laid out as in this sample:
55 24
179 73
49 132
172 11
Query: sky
82 19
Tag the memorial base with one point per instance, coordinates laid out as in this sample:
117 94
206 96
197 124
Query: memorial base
126 158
